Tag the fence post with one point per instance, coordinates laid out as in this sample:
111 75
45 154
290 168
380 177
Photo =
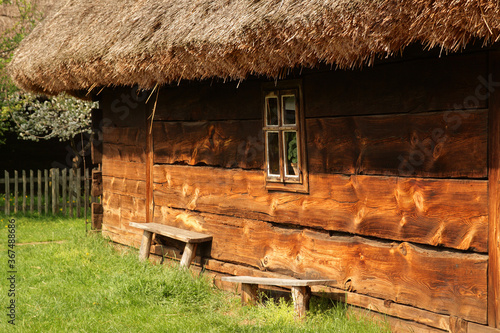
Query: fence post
78 192
32 192
24 191
16 190
64 183
87 192
70 193
7 193
54 192
46 176
39 198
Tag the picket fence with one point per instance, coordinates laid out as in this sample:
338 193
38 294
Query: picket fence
59 191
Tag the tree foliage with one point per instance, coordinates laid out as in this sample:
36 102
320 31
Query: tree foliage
41 118
36 117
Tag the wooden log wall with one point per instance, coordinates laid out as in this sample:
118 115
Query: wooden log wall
124 127
397 208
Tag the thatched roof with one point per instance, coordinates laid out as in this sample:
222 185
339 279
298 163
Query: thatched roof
90 43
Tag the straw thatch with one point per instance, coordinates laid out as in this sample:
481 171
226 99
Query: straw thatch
92 43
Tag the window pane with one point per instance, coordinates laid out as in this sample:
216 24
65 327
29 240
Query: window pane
273 153
272 110
289 109
291 154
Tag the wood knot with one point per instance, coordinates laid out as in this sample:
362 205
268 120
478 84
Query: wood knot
348 285
438 149
265 261
402 249
388 303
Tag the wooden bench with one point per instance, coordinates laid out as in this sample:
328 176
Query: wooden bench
301 289
191 238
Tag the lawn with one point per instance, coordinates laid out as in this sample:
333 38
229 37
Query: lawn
83 284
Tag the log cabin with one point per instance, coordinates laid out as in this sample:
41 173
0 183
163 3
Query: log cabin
350 140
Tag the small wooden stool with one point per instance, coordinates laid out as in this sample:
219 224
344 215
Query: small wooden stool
301 289
191 238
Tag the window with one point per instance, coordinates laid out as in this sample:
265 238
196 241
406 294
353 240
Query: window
284 138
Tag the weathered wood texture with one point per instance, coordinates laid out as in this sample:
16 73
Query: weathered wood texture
440 145
412 86
210 101
396 324
125 136
97 216
475 328
126 170
149 168
435 280
124 107
120 210
96 147
124 180
228 144
494 197
96 183
451 213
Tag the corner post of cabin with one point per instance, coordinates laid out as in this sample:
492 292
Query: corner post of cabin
493 190
301 296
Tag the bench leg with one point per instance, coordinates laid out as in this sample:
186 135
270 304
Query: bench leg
301 297
145 245
248 293
188 255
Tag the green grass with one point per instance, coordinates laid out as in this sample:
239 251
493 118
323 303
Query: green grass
35 205
85 285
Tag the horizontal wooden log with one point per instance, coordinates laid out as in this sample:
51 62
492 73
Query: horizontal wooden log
121 169
440 281
229 144
440 145
124 186
127 136
120 210
450 213
416 86
210 101
120 203
96 183
121 236
475 328
396 324
120 221
97 216
125 153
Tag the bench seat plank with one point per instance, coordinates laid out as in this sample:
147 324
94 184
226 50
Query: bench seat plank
275 281
301 290
183 235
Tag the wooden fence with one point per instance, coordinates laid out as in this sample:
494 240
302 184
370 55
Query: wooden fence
59 191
